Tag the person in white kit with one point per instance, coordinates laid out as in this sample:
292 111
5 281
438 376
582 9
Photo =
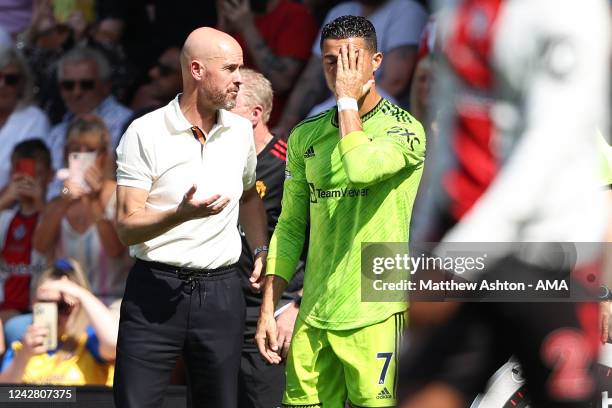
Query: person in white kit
522 90
184 172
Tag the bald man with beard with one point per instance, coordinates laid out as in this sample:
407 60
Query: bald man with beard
185 177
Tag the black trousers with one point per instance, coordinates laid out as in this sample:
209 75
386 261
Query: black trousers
167 312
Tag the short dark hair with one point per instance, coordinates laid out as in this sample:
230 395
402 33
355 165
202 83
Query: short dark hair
350 27
34 149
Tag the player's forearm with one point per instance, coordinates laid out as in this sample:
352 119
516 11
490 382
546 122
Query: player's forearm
349 121
273 290
253 219
366 161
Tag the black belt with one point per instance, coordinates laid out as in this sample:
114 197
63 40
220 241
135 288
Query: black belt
186 273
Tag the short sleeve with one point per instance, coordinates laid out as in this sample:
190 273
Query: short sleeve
248 175
134 164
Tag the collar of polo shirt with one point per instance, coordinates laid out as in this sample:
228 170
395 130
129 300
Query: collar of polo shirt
178 123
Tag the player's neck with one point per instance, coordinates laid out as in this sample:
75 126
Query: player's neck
369 101
262 137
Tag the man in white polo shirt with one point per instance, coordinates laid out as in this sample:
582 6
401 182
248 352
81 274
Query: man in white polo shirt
185 175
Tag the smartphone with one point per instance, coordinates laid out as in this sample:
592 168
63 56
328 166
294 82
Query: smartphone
45 315
78 164
26 166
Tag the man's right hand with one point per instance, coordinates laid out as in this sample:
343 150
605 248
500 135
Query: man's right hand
190 208
266 338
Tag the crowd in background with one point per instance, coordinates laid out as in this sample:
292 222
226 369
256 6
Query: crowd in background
73 75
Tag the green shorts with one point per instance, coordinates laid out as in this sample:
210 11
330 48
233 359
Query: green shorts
327 367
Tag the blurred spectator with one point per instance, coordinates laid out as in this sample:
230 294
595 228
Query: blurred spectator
31 173
83 75
260 384
43 43
5 38
419 91
19 119
398 25
80 222
320 8
275 36
15 15
166 82
87 335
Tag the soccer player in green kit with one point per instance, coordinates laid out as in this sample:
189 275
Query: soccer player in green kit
352 174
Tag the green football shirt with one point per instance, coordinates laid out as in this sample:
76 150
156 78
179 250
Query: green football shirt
358 189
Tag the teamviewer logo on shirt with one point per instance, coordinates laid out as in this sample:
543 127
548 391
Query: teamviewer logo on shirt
313 191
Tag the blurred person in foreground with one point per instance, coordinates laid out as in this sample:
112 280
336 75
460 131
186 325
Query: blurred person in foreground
343 349
80 222
517 162
261 384
185 178
398 25
87 335
20 119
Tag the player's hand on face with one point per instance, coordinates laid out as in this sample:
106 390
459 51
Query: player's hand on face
191 208
285 323
351 79
236 13
259 272
265 339
33 340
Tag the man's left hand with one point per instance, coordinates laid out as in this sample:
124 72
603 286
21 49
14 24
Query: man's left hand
351 79
285 323
236 13
259 272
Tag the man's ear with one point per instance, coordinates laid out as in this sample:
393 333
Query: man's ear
377 60
197 70
256 114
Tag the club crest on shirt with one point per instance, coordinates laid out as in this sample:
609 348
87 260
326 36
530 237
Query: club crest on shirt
19 232
261 188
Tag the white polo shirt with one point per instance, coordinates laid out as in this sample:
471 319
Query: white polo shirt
159 153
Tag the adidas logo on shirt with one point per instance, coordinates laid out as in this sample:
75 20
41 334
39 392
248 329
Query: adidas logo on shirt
309 152
384 394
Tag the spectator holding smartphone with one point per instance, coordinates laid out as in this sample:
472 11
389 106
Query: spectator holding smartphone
86 329
30 174
79 223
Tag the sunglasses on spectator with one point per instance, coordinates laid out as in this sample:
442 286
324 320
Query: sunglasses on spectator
84 84
10 79
164 70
